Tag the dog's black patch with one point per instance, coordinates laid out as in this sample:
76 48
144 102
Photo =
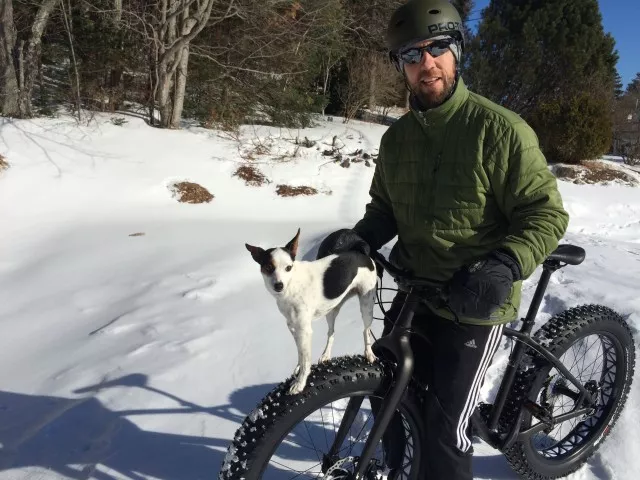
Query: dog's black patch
341 241
266 262
341 272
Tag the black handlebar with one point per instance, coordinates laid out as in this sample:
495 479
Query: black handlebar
406 277
395 272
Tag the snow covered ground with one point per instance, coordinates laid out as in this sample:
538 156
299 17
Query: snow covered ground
138 356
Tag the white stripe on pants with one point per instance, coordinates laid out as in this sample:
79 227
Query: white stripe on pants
463 440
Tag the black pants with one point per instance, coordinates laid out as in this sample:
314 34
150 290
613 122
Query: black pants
452 363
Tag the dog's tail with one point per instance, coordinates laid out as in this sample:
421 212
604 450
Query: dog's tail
342 241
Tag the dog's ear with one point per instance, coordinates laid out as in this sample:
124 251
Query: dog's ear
256 252
292 246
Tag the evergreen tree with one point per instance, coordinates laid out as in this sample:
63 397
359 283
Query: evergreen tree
618 88
528 51
634 86
533 54
464 7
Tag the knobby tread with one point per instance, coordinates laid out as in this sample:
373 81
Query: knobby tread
554 335
278 403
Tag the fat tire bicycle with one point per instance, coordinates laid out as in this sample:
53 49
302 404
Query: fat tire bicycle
553 408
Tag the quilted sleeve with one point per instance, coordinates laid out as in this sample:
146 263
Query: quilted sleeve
528 195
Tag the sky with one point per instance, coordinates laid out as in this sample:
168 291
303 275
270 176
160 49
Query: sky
620 18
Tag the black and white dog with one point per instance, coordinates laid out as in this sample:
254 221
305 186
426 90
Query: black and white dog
307 290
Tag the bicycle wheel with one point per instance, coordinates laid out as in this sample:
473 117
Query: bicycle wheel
288 436
596 345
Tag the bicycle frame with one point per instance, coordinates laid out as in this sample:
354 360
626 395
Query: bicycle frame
395 347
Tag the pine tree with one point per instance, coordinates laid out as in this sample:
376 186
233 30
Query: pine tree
464 7
528 51
634 86
618 88
531 54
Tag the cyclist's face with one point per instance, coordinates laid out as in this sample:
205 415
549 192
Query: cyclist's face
432 79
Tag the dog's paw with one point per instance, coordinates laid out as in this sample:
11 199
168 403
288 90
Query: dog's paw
296 387
369 355
324 358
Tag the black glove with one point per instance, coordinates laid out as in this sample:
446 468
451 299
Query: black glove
479 289
343 240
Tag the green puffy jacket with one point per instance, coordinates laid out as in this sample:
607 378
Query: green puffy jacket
455 183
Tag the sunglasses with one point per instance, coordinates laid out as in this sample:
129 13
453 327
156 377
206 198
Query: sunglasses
414 55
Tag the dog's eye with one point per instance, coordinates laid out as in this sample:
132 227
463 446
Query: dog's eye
288 269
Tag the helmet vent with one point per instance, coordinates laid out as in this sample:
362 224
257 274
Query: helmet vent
434 11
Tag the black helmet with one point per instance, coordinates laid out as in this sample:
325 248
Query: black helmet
419 20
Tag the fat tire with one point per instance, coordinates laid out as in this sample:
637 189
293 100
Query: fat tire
341 377
558 334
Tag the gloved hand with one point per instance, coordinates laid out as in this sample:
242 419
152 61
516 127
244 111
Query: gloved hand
343 240
479 289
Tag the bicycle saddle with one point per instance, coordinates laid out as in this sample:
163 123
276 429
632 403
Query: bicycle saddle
569 254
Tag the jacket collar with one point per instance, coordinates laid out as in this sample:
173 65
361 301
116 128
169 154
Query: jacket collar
440 115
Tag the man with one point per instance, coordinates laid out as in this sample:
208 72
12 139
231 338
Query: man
463 184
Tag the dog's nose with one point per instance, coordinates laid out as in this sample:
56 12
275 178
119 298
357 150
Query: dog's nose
278 286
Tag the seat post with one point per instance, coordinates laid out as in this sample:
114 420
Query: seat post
548 267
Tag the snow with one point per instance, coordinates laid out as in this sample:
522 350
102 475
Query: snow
139 356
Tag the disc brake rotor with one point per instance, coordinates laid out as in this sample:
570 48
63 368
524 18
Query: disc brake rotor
337 472
344 469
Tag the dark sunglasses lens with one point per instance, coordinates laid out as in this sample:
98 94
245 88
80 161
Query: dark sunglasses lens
437 49
413 55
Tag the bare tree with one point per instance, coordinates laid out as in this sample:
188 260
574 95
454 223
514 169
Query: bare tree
356 93
67 25
383 82
17 82
8 79
180 21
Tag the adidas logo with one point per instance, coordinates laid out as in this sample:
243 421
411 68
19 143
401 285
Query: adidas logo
471 343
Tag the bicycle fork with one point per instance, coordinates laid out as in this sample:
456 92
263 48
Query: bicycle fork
397 346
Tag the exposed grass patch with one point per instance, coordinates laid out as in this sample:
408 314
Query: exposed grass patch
189 192
593 173
251 176
294 191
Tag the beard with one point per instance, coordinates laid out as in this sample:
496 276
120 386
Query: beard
435 94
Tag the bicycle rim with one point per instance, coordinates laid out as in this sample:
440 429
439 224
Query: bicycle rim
592 359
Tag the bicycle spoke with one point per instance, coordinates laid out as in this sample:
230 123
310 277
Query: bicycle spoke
586 364
299 444
298 473
584 359
326 440
312 442
333 420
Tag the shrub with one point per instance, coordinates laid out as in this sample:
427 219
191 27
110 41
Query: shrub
578 128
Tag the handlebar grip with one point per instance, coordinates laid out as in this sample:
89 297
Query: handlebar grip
393 271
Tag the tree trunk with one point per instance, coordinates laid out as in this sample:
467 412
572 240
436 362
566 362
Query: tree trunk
176 28
181 84
8 79
68 23
28 58
116 74
117 14
164 96
325 85
372 87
